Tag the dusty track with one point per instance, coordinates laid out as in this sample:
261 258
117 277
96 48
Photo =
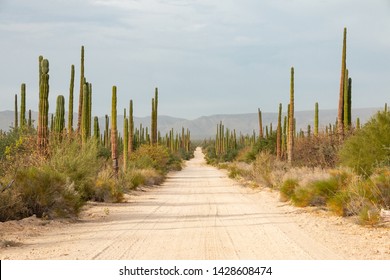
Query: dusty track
198 213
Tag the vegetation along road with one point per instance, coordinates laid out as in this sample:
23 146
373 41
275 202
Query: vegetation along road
198 213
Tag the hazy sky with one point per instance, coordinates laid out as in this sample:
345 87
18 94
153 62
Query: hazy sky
205 56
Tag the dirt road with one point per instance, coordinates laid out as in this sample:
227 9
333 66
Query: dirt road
198 213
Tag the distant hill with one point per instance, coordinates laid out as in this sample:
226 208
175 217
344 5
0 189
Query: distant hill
205 126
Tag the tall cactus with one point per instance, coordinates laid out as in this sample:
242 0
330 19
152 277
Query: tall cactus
82 77
29 123
70 111
85 126
22 105
290 144
16 112
260 123
114 132
279 134
340 115
125 143
346 103
59 123
106 132
96 129
154 118
131 128
43 114
316 119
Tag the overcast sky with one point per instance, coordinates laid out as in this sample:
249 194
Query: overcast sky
205 56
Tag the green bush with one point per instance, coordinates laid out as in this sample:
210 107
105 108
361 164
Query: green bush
287 189
80 165
369 147
46 192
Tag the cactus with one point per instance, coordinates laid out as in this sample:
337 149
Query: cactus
16 112
357 123
96 129
82 77
106 133
279 134
85 115
70 111
260 123
346 103
59 123
153 129
308 130
29 123
349 102
340 115
23 105
316 119
385 108
114 132
290 144
89 119
125 143
43 114
131 128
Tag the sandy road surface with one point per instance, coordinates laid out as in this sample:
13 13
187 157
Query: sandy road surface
198 213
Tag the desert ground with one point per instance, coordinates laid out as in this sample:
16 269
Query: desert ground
196 214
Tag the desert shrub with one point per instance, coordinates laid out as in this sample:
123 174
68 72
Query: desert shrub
320 151
12 206
287 189
268 171
369 147
263 145
338 203
80 165
151 156
236 170
107 188
46 192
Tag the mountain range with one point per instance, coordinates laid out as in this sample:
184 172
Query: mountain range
205 127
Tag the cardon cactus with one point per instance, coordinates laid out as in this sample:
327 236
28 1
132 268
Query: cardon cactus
81 98
16 112
22 105
59 120
114 132
316 119
43 113
290 144
340 115
70 111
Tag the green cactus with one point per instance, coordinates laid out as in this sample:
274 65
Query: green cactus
70 111
153 129
279 134
340 115
29 123
114 132
385 108
260 123
106 133
316 119
346 112
125 143
43 112
290 144
16 112
131 128
59 123
89 109
96 129
308 130
81 98
357 123
85 115
23 105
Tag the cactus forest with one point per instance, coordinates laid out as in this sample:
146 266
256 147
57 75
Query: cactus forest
50 167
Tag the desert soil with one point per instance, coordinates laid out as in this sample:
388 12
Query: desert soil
197 214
